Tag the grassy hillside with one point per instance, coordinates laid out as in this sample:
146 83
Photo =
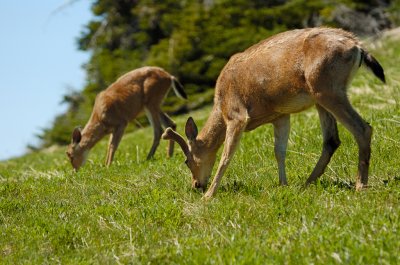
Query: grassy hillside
142 212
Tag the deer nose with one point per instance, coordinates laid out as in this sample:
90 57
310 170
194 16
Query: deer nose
197 185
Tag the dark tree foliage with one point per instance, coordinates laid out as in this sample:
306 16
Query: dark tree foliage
192 39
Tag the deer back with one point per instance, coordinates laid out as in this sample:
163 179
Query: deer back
280 74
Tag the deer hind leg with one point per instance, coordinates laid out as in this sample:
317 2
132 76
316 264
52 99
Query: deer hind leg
234 132
281 135
331 142
341 108
168 122
154 118
115 139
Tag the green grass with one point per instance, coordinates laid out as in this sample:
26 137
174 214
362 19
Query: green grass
142 212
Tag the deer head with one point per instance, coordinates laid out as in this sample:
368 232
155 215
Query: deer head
76 154
199 158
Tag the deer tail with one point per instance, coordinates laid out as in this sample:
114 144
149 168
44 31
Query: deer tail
372 64
178 88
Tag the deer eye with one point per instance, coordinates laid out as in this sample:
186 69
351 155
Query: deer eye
186 162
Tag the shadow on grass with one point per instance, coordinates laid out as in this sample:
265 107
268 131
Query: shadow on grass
350 185
255 189
337 183
241 187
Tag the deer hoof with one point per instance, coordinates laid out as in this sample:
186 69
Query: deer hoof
361 186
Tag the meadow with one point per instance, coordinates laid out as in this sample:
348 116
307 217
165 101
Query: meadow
144 212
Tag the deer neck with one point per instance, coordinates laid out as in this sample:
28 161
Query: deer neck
91 134
213 133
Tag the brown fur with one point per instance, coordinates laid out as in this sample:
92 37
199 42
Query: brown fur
284 74
138 90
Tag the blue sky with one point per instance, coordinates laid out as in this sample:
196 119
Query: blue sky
39 60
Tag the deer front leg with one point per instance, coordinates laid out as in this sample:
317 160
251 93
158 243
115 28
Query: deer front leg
168 122
115 139
331 142
340 107
234 131
281 135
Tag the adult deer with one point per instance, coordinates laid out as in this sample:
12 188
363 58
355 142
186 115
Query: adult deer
143 88
284 74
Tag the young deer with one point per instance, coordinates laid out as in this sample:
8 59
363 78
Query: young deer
143 88
284 74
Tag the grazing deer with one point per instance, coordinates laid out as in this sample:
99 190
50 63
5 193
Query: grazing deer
284 74
143 88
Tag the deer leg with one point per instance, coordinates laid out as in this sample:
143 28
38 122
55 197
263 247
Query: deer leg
331 142
281 135
154 118
115 139
341 108
108 149
234 131
168 122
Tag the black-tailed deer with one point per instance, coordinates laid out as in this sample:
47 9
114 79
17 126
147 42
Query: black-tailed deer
284 74
143 88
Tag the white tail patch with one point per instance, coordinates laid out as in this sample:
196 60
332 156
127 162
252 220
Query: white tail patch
357 63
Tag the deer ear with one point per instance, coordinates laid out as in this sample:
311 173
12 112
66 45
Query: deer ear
191 129
76 135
